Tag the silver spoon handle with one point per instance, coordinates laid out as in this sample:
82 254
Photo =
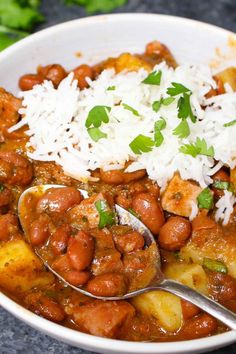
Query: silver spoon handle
210 306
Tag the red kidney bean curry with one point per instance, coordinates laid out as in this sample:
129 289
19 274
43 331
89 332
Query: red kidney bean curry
81 239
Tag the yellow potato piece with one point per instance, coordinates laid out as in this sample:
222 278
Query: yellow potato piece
233 177
165 307
20 268
191 275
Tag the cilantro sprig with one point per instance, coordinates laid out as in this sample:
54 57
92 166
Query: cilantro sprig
163 101
177 89
229 124
154 78
141 144
197 148
97 115
131 109
182 130
158 137
106 216
205 199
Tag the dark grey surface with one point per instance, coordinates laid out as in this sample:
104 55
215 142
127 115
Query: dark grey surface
15 336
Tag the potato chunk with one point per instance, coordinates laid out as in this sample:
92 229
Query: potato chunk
228 76
20 269
165 307
179 196
191 275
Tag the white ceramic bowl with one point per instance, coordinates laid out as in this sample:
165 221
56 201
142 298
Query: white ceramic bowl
97 38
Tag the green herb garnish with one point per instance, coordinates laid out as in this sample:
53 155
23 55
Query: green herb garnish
163 101
154 78
229 124
182 130
106 216
156 105
97 115
214 265
205 199
177 89
158 137
199 148
131 109
96 134
184 108
111 88
93 6
141 144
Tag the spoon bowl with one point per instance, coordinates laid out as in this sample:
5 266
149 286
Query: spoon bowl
158 282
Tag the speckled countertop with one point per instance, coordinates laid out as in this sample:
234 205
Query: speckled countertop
15 336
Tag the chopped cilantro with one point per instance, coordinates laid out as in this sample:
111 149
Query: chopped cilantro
214 265
111 88
199 148
154 78
182 130
141 144
205 199
184 108
160 124
106 216
156 105
177 89
229 124
96 134
158 137
131 109
221 185
163 101
167 101
97 115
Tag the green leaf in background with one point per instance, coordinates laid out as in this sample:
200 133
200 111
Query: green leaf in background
9 36
92 6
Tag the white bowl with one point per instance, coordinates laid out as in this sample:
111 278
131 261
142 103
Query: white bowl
97 38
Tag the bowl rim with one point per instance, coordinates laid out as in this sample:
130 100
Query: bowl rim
74 337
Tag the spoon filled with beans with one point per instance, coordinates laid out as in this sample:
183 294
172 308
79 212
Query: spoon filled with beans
99 248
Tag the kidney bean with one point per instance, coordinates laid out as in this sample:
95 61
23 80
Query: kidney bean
76 277
15 169
222 286
8 226
54 72
189 310
39 230
119 176
220 176
28 81
109 284
199 326
81 73
59 199
174 233
59 239
129 242
124 199
61 264
80 250
149 210
45 307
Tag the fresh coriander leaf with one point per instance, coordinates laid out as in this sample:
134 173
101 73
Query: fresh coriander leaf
214 265
96 134
160 124
154 78
189 149
131 109
13 15
158 138
141 144
156 105
167 101
221 185
106 216
93 6
204 150
133 212
182 130
184 108
9 36
199 148
229 124
205 199
111 88
6 41
97 115
177 89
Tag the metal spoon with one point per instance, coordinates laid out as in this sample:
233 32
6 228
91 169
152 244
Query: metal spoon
159 283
